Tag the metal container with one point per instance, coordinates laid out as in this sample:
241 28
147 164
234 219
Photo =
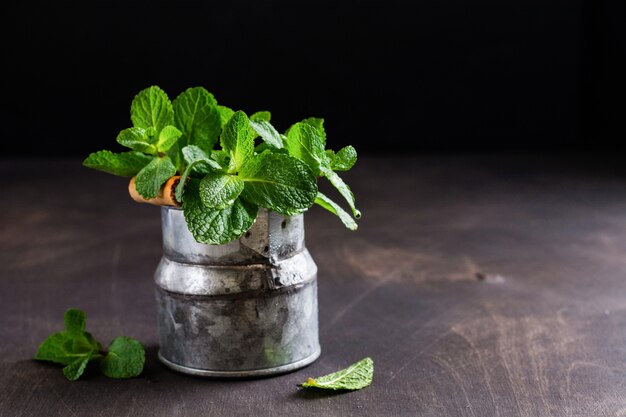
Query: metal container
246 308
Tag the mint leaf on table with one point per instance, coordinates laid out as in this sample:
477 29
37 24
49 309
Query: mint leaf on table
125 358
75 348
215 226
137 139
125 164
219 190
75 322
237 139
74 370
334 208
356 376
197 115
152 109
279 182
150 179
56 348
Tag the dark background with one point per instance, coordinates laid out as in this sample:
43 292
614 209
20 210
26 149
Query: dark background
394 76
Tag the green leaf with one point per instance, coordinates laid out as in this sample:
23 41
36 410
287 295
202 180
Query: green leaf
197 116
219 190
267 132
238 140
334 208
306 143
75 321
193 154
261 116
150 179
136 138
344 159
125 359
56 348
74 370
215 226
225 114
125 164
167 138
199 162
279 182
151 108
318 124
343 189
356 376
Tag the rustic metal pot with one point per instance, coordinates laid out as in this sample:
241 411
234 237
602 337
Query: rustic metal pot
242 309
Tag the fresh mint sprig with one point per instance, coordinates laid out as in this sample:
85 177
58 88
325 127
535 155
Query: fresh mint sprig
75 349
230 164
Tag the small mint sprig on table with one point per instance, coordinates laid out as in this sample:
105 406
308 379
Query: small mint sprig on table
356 376
75 349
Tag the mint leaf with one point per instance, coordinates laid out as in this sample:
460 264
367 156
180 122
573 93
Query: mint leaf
356 376
307 144
219 190
318 124
343 189
261 116
126 164
238 140
151 108
198 161
136 138
167 138
193 154
150 179
74 370
197 116
75 321
225 114
344 159
56 348
125 358
267 132
214 226
75 348
334 208
279 182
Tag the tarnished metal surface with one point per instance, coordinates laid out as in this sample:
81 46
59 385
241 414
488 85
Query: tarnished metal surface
241 309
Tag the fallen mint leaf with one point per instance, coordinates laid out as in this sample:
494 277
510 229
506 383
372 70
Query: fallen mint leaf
125 358
356 376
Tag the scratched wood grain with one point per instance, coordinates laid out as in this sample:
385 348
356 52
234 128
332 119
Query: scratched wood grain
480 287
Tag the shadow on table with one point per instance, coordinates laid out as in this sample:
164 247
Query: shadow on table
318 393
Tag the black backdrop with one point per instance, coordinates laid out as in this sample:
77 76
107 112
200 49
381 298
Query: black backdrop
388 76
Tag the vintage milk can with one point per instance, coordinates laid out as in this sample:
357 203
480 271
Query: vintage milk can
243 309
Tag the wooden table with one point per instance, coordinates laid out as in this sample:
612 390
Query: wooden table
480 286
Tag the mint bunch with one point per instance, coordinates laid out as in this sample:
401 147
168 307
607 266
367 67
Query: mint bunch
75 349
230 164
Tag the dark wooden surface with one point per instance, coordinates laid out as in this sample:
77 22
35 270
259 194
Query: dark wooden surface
486 286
